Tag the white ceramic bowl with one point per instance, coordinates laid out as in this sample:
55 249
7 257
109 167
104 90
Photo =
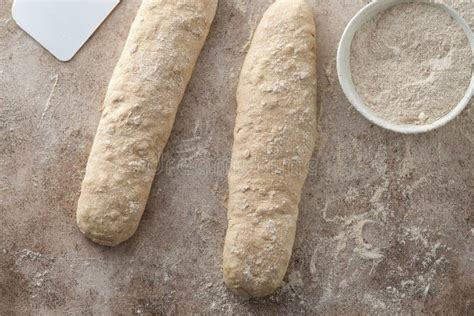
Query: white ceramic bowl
345 75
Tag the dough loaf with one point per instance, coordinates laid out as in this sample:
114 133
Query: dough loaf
139 110
274 138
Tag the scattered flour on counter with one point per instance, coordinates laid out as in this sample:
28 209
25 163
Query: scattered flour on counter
411 64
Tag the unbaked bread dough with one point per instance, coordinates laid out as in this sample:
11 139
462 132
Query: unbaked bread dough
139 110
274 138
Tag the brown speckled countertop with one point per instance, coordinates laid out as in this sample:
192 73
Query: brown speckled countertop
386 223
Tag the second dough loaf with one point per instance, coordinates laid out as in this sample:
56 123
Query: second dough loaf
146 88
274 137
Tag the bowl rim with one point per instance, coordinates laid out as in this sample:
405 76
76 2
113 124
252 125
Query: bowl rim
345 74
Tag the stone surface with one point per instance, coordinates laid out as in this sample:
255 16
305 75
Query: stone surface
386 223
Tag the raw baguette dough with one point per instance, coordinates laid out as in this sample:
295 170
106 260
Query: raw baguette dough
146 88
274 138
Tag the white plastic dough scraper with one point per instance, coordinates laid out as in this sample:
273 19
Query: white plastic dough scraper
61 26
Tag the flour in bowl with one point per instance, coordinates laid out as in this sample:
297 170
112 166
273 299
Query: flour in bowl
411 64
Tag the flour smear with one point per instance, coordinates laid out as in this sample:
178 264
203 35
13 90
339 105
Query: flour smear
411 64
